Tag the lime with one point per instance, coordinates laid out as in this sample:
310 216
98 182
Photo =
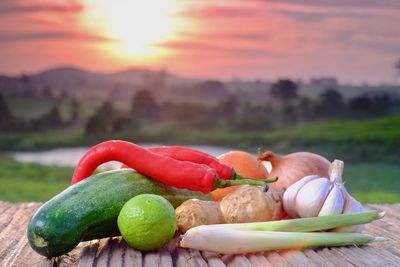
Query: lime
147 222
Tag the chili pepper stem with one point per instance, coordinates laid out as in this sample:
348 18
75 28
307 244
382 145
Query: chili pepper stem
220 183
236 176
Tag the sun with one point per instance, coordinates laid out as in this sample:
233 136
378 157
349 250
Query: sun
137 24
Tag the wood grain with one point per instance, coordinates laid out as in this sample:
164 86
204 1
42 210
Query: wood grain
114 252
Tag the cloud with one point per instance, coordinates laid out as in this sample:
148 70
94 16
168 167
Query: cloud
250 36
305 10
198 47
384 4
34 36
314 16
18 6
220 11
388 48
264 37
315 11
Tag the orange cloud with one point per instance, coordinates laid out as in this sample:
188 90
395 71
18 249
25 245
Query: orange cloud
34 6
353 40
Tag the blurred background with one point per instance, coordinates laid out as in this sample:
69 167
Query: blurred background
319 76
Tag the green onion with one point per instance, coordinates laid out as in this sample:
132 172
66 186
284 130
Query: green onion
311 223
231 241
263 236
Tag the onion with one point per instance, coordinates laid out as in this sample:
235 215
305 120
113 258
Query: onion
292 167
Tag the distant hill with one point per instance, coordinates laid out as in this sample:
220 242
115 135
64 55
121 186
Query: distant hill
66 76
69 81
63 75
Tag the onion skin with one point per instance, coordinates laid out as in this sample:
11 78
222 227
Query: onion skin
244 164
293 167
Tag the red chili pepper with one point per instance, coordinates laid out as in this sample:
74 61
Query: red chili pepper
180 174
182 153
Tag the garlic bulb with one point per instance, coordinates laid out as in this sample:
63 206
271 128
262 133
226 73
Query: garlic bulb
318 196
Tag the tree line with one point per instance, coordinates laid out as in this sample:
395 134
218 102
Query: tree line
286 108
52 118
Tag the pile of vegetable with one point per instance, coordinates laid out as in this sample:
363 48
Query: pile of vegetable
230 204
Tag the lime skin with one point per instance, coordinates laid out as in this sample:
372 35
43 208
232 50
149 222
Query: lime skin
147 222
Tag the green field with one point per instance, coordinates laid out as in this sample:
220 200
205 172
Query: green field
373 182
369 182
372 139
30 182
370 148
360 140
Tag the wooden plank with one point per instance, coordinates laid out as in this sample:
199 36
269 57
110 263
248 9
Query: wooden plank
161 257
315 257
331 255
5 206
236 261
15 251
384 229
356 260
24 256
394 251
45 263
14 240
386 225
104 249
258 259
276 260
173 244
88 255
390 210
132 257
7 216
114 252
384 257
66 262
72 258
117 253
297 258
189 258
363 256
395 207
212 259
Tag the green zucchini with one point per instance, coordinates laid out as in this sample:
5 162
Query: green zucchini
89 210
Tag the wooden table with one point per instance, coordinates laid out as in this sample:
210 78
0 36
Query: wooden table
15 251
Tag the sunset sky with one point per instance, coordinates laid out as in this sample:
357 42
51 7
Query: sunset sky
354 40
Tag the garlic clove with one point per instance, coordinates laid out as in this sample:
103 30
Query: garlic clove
334 202
289 197
311 197
351 205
